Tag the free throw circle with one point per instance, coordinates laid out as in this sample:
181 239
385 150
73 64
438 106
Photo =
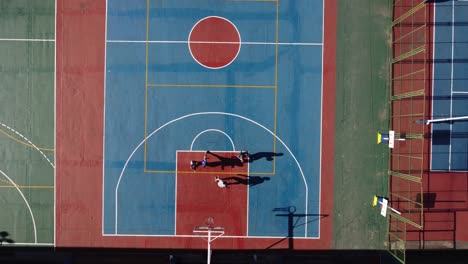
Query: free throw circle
214 42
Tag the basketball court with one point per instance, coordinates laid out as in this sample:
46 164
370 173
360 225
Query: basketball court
204 89
27 125
183 80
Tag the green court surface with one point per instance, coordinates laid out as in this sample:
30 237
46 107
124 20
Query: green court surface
27 50
362 109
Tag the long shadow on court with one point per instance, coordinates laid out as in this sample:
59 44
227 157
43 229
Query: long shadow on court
267 155
235 161
245 180
224 161
293 219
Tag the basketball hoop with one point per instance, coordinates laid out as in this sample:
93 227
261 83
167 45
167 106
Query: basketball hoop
209 221
210 233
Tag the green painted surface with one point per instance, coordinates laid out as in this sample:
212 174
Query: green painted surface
27 100
363 40
27 19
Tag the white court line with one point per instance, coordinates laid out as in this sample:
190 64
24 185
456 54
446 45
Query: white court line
216 42
104 122
451 85
433 75
28 244
189 236
175 194
460 92
213 130
55 120
243 43
26 40
211 113
321 114
439 170
248 193
30 143
27 204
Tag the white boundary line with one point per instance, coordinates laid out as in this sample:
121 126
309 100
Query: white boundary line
210 113
213 130
27 204
28 244
248 195
27 40
449 171
460 92
451 85
260 237
55 123
104 123
321 119
244 43
216 42
433 75
175 193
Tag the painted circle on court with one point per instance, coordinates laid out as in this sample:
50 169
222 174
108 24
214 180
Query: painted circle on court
214 42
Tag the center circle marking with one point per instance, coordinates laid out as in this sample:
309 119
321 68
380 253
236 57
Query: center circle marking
214 42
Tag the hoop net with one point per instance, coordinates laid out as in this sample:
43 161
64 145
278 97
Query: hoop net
209 230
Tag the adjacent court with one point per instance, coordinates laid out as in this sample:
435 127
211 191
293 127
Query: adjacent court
27 126
450 87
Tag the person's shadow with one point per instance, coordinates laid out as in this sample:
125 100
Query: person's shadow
4 238
267 155
224 161
245 180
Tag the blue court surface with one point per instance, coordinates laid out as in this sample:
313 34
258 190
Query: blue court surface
159 100
450 87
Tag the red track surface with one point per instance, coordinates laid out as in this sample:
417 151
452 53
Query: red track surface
79 122
79 137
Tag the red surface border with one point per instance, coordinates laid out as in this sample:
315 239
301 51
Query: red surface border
79 137
80 38
328 121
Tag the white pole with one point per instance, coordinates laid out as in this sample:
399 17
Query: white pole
394 210
427 122
209 247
